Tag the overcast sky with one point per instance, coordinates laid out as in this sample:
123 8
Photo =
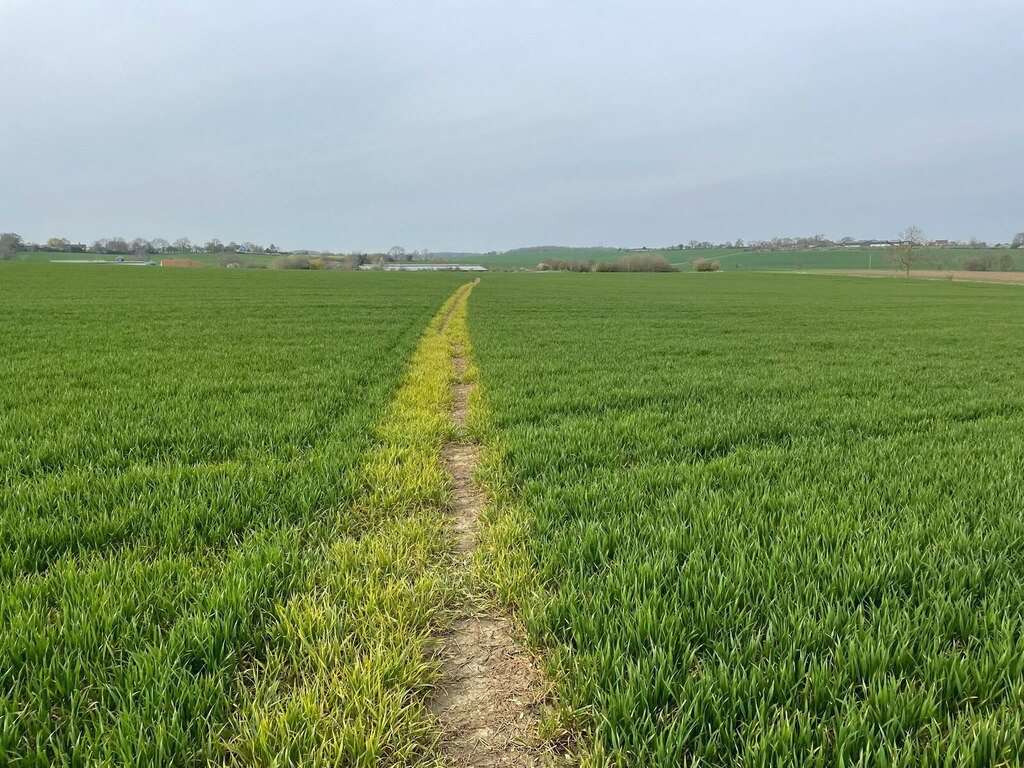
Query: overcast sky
479 124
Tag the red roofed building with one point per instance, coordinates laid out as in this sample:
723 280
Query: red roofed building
180 263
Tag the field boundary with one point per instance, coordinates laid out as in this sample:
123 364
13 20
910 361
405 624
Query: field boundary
952 276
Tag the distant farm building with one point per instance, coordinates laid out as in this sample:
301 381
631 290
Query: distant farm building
180 263
408 267
871 244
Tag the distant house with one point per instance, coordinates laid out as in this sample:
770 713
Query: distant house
180 263
940 243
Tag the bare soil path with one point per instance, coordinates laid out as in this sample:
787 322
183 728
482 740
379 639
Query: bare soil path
490 701
459 298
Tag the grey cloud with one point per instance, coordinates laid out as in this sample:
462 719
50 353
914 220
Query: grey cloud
479 125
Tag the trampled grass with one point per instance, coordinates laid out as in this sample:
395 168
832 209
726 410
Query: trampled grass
763 520
210 549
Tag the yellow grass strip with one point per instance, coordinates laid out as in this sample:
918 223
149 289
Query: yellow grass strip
346 681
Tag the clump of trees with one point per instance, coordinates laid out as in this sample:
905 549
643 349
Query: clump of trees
63 245
353 260
633 262
293 261
704 265
567 265
11 245
644 262
988 263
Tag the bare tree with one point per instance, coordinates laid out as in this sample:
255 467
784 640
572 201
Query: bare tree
397 253
908 251
352 261
117 245
140 247
1018 240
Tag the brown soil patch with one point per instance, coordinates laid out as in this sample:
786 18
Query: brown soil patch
934 274
460 461
490 700
460 393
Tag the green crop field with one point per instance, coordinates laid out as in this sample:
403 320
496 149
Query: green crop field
742 519
199 556
763 520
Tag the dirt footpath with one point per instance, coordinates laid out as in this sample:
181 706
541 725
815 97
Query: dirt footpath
490 700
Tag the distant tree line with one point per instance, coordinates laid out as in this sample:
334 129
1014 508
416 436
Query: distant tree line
353 260
775 244
230 253
821 241
11 244
553 248
138 246
632 262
